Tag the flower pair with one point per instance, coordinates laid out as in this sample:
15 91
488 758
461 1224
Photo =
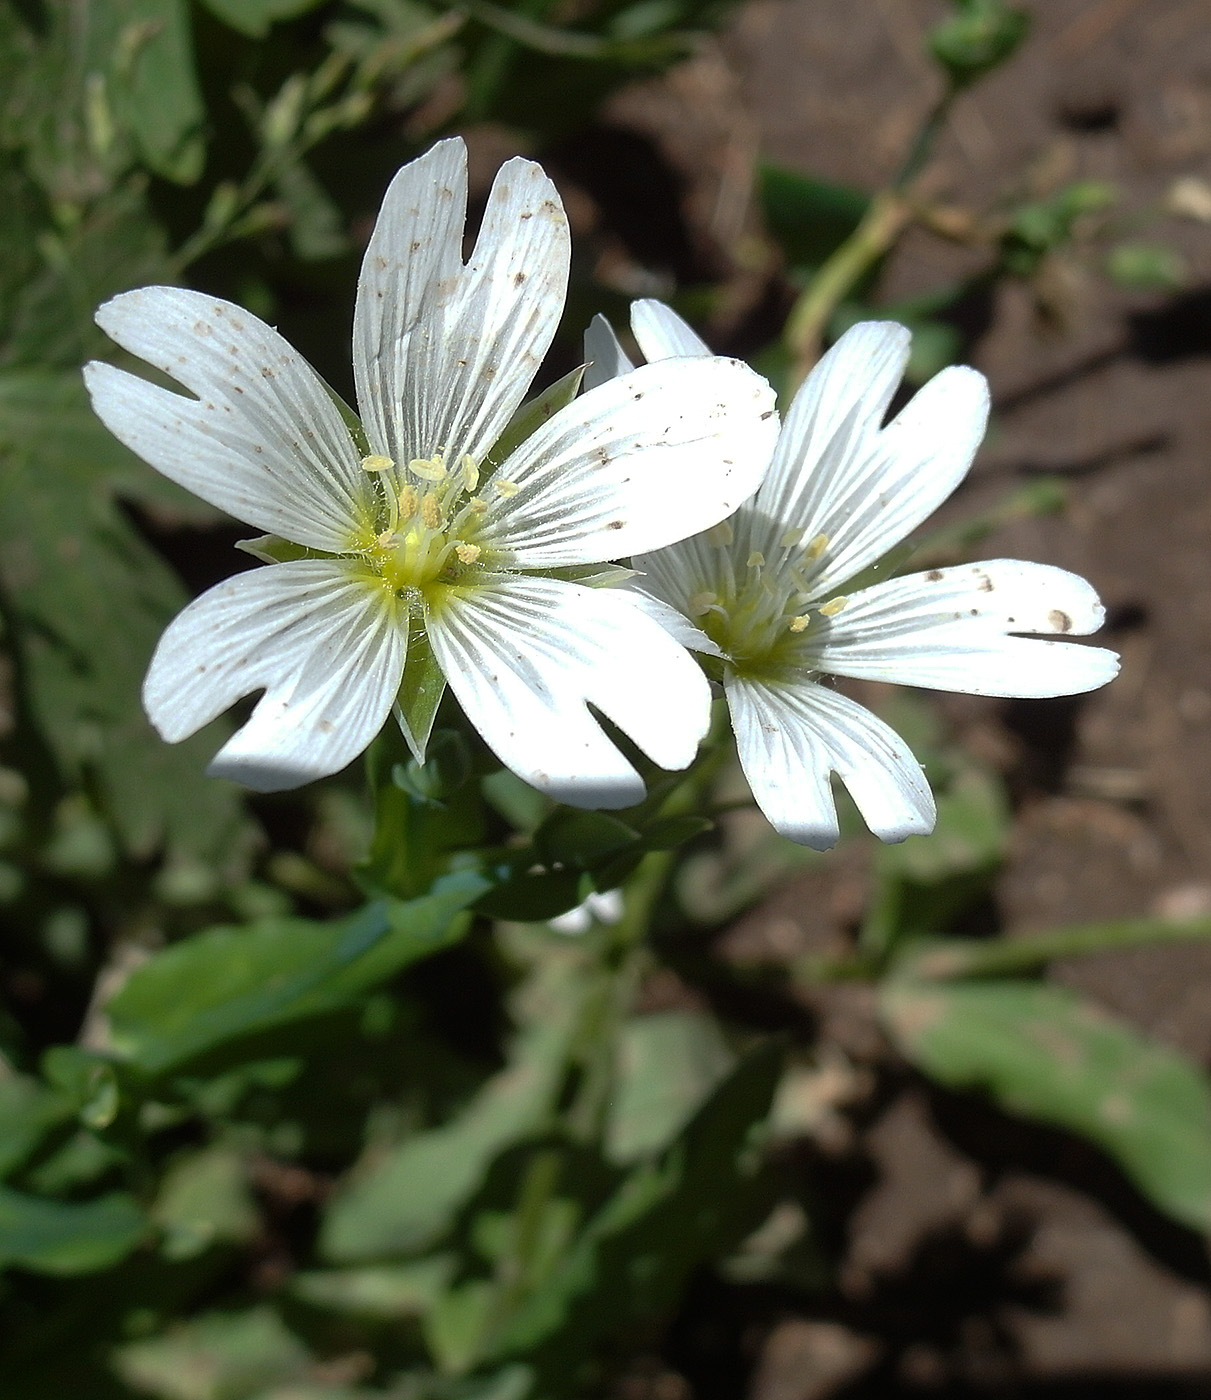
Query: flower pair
408 551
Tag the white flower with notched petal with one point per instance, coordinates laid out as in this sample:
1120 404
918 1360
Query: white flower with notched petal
407 544
776 591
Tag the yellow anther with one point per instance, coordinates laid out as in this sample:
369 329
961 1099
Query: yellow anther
431 512
385 540
791 539
833 606
701 603
376 463
408 501
756 560
428 469
506 488
468 553
799 624
470 473
721 535
477 503
817 547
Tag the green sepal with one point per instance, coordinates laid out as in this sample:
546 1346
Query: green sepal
272 549
531 416
420 690
350 420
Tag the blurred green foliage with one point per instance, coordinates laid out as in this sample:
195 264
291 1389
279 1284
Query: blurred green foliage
299 1098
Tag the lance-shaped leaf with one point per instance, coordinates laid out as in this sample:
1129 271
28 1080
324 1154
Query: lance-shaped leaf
1043 1052
231 982
61 1237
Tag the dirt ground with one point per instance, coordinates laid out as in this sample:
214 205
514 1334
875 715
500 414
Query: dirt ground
984 1257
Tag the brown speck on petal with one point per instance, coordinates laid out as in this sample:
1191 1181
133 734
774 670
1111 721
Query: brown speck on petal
1059 620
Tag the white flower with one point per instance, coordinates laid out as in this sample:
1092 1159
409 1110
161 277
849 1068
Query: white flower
777 591
407 543
607 908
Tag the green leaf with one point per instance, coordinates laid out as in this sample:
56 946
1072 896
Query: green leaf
668 1063
981 36
218 1356
391 1292
629 1264
57 1237
155 86
205 1199
531 416
408 1197
1041 1051
583 839
102 86
86 601
809 218
926 882
253 17
1147 266
230 982
420 691
28 1111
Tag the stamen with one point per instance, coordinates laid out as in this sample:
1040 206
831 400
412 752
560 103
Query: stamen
430 469
386 539
833 606
701 603
506 488
721 535
791 539
756 560
377 463
799 624
408 501
817 547
470 473
468 553
431 512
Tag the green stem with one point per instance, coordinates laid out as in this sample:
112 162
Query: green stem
882 224
961 958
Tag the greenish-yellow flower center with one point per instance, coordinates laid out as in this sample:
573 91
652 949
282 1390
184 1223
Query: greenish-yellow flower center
421 532
760 614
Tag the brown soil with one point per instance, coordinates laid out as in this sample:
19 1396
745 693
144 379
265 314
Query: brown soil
980 1256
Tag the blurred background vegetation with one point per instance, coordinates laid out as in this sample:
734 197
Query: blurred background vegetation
301 1098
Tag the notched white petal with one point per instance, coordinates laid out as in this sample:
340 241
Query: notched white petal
527 656
327 655
791 737
961 629
662 334
467 344
646 459
412 260
262 439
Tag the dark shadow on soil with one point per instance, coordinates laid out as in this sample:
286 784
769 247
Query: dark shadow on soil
1178 330
1001 1144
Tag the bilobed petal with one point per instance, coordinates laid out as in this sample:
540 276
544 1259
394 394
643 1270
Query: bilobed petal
323 645
525 655
262 440
662 334
950 629
908 470
673 620
831 422
466 364
412 260
605 358
651 457
791 736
